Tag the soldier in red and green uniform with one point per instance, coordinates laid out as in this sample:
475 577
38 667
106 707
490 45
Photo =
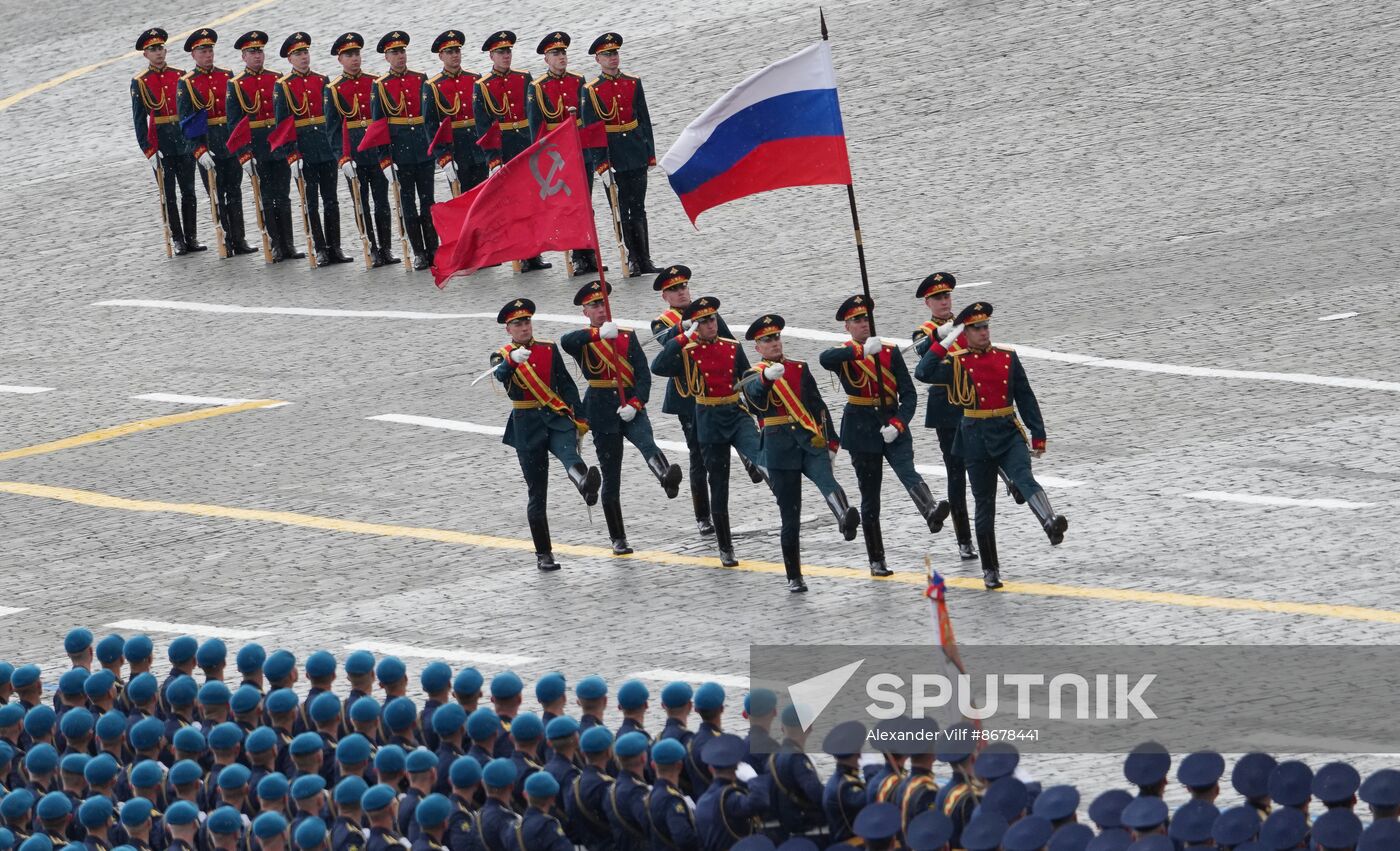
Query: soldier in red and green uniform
398 96
449 98
205 89
252 91
155 115
347 115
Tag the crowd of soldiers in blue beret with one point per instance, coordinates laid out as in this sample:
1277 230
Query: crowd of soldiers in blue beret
121 761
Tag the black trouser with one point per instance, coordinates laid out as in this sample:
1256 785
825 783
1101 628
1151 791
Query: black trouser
380 227
228 178
179 168
416 200
275 184
957 481
787 489
699 482
320 180
631 195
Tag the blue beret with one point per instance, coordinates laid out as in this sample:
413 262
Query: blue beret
1144 813
561 727
506 685
1071 837
789 717
984 832
185 771
214 693
709 696
399 714
306 743
541 784
147 774
224 820
928 831
435 677
189 739
1148 764
1106 810
234 776
136 811
181 812
244 699
483 724
434 809
1056 803
181 691
24 675
145 734
390 758
6 671
1029 834
377 797
7 753
70 682
419 760
101 769
273 786
7 839
111 726
349 791
281 701
630 744
310 833
526 727
225 736
99 683
500 773
76 722
320 664
390 670
359 662
74 763
77 640
1335 783
676 695
449 718
760 702
591 688
95 811
465 772
1290 783
998 760
17 804
1007 797
550 687
269 824
1236 826
632 694
278 665
467 682
724 751
250 658
667 752
1382 789
1382 835
1337 828
54 805
352 749
41 758
110 648
308 786
212 652
325 707
1192 822
138 648
595 740
364 709
260 740
182 649
1201 769
142 688
11 713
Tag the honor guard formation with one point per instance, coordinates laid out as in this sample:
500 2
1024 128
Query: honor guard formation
260 755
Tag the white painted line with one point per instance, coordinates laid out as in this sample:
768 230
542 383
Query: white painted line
390 648
664 676
974 284
1283 501
188 629
1336 316
6 611
200 307
182 399
23 389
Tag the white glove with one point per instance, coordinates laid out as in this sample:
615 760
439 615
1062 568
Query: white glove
296 167
831 453
450 169
774 371
608 330
626 413
745 772
872 345
249 167
520 355
206 159
154 160
389 172
889 433
688 325
348 169
949 332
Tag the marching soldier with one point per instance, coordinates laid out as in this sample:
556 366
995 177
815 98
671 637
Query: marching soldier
544 401
611 357
880 402
398 97
617 100
553 99
797 791
844 795
155 115
301 96
797 439
710 367
206 88
500 100
959 797
350 97
670 814
730 809
992 387
449 98
253 89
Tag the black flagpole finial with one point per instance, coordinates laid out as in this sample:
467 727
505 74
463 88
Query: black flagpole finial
822 14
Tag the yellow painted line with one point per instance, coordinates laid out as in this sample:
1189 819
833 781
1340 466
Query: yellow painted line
135 428
449 536
74 73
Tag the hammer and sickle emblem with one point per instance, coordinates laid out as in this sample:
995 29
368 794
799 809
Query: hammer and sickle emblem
548 185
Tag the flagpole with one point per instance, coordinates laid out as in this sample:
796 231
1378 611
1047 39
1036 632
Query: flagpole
602 277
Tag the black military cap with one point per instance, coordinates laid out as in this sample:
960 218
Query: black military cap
201 38
500 38
294 42
671 276
604 43
853 307
153 37
520 308
591 292
391 40
347 41
700 308
938 282
768 323
978 313
450 38
555 40
848 737
252 40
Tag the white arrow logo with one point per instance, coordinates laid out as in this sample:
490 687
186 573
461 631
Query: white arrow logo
811 696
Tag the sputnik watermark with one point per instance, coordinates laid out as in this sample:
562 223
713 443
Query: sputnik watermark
1110 696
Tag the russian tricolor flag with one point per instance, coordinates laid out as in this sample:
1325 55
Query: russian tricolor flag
780 127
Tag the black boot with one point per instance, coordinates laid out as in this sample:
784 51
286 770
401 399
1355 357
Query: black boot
284 226
847 518
634 253
583 262
668 474
700 498
644 247
875 547
188 217
612 513
534 264
1053 524
724 540
991 570
430 238
384 228
333 252
964 535
586 479
544 555
1011 489
237 232
933 511
274 231
792 563
420 251
755 472
318 238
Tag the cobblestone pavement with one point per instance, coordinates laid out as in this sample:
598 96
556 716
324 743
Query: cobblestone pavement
1193 185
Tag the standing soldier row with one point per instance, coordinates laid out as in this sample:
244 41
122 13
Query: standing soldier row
351 98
